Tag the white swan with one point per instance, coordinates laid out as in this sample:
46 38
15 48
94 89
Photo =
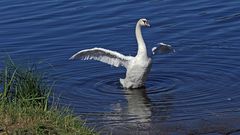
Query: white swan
137 67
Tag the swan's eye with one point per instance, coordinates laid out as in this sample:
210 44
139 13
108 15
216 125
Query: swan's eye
144 21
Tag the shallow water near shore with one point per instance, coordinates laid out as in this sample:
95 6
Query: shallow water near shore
194 90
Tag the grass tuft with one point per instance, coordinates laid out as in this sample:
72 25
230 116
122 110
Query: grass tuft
24 107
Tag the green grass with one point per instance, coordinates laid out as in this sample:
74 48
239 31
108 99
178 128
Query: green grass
24 106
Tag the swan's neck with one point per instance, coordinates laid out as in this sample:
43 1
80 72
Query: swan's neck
142 50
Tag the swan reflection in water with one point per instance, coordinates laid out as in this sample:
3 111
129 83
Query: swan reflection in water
140 109
138 104
139 113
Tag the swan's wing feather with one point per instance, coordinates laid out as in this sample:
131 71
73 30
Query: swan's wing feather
107 56
162 48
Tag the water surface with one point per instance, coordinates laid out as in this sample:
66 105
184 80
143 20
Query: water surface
195 90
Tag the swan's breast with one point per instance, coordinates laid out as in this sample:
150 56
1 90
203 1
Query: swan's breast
138 70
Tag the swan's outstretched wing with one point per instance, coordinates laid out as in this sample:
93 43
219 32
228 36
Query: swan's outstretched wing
162 48
107 56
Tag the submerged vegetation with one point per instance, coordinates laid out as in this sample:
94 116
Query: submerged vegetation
25 109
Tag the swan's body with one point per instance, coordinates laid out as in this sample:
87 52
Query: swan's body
137 67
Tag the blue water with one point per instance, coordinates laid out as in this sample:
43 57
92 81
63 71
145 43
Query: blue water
195 90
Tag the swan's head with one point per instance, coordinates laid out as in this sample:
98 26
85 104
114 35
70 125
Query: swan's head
144 22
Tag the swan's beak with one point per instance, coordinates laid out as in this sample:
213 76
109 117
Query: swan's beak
147 24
